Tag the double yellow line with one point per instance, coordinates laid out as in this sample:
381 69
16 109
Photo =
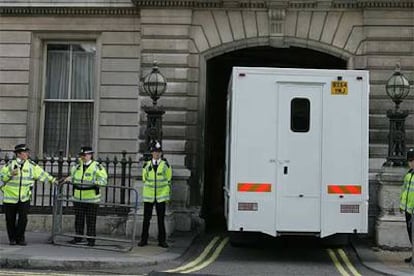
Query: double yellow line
209 255
344 258
32 273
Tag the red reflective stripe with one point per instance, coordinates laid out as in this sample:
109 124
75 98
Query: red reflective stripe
254 187
334 189
354 189
344 189
264 188
244 187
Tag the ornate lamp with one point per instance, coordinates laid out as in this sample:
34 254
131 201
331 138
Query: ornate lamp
154 84
397 88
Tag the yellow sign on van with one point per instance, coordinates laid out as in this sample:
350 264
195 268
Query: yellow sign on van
339 88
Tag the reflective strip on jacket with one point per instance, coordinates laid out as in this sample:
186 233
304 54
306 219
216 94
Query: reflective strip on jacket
407 194
86 183
19 187
157 187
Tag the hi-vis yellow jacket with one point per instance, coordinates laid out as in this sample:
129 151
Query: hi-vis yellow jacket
86 183
157 185
407 194
19 187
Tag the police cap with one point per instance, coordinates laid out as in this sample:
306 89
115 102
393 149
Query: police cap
20 148
410 155
155 146
85 150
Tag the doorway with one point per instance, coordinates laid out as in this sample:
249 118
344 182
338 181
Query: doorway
218 70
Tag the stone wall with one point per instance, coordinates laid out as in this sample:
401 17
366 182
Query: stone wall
182 36
22 42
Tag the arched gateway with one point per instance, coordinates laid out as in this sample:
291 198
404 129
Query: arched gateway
217 72
195 43
221 38
205 38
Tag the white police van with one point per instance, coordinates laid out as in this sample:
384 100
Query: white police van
297 151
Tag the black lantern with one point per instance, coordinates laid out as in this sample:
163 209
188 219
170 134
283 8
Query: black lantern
154 84
397 88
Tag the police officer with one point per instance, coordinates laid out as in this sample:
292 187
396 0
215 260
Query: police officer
156 177
407 197
18 177
87 177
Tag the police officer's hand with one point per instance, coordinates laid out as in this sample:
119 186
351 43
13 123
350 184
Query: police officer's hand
67 179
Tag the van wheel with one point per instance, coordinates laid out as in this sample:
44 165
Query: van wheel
337 240
236 239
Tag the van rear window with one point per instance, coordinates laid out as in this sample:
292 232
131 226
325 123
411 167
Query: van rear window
300 115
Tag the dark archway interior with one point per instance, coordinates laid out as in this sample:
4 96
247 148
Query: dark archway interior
218 74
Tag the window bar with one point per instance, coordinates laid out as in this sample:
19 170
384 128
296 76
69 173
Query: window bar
70 98
107 169
129 179
36 160
52 169
115 176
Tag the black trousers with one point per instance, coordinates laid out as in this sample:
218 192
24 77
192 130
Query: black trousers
86 211
160 207
11 211
408 218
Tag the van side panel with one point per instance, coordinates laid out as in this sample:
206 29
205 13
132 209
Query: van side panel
253 145
345 158
259 184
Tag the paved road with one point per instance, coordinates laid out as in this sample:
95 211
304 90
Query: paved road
267 256
258 255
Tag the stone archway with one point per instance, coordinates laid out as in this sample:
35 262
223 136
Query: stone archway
223 38
185 41
217 73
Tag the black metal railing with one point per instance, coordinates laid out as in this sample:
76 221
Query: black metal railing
122 172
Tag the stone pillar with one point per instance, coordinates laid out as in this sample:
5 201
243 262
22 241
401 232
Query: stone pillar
390 228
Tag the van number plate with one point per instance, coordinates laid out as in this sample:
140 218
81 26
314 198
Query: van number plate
339 88
349 208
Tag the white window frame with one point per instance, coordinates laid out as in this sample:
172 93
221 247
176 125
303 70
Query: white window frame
94 101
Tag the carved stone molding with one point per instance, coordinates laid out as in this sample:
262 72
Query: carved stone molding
292 4
276 21
179 3
28 11
367 4
49 9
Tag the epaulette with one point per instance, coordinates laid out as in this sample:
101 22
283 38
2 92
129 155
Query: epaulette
100 166
147 164
166 162
32 162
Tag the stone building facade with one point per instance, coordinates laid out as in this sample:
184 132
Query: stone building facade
186 37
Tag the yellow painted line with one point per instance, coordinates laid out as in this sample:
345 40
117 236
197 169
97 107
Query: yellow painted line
10 272
28 273
199 259
350 266
336 262
212 258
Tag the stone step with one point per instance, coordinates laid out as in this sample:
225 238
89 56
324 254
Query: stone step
381 150
382 104
375 164
378 150
380 136
174 117
380 120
